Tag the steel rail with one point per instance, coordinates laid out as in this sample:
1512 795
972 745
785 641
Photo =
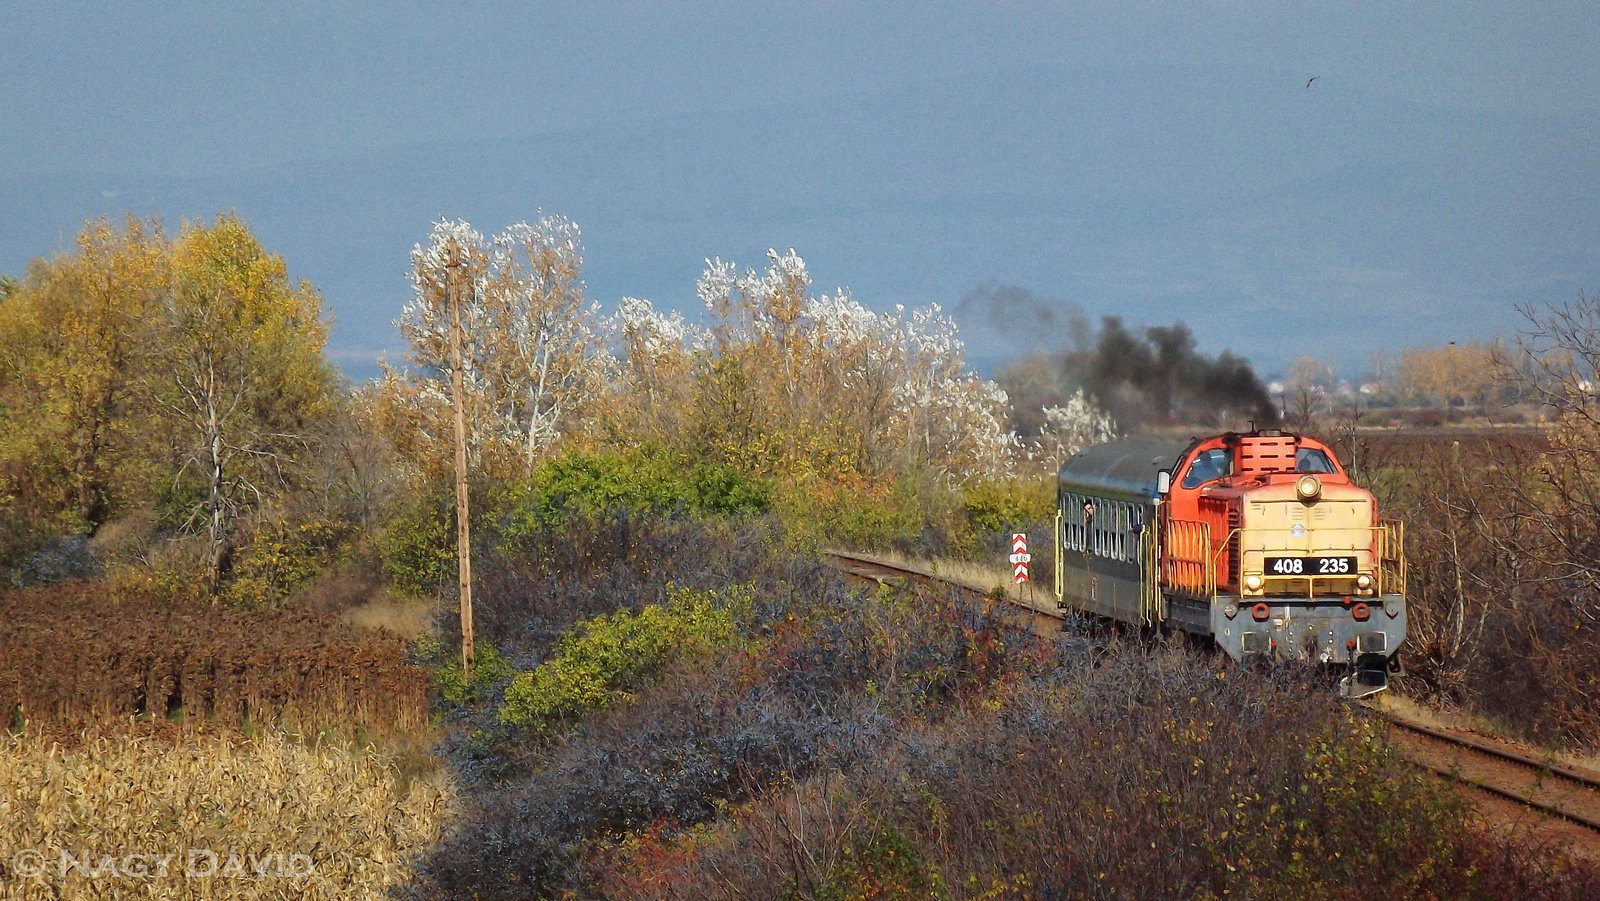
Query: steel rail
1488 750
1513 756
852 561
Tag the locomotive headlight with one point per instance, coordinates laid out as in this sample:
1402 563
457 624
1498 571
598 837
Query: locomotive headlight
1252 582
1309 488
1363 581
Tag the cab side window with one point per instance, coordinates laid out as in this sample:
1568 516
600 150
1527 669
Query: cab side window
1208 465
1308 459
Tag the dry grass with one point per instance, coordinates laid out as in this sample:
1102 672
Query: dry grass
353 813
405 615
1409 708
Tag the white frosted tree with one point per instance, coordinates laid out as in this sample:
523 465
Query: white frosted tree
654 377
529 351
1077 425
874 388
546 336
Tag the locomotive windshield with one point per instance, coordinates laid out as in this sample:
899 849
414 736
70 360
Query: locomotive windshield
1308 459
1208 465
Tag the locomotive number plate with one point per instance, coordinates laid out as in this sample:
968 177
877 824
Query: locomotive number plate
1311 566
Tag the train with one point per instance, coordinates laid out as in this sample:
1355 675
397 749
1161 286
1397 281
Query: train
1258 542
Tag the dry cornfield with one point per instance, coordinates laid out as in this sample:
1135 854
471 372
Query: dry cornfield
348 816
79 656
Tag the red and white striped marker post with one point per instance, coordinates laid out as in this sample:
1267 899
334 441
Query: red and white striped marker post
1019 557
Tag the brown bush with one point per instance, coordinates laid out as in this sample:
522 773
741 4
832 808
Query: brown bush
1144 777
79 656
1503 610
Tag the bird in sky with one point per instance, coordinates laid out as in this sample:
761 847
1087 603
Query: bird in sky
1311 79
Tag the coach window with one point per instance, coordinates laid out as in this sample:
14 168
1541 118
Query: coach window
1208 465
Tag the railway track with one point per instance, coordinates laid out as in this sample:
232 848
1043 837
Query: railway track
869 568
1040 612
1544 785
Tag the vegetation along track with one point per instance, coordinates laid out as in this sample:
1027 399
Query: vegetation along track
1514 774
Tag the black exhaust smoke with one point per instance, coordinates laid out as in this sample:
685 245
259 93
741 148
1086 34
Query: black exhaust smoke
1160 378
1148 377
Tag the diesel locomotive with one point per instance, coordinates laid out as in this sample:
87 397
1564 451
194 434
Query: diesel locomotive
1258 541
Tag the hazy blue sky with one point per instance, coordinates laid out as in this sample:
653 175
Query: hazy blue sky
1158 161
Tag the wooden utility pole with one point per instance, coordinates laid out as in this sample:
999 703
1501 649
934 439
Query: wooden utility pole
463 519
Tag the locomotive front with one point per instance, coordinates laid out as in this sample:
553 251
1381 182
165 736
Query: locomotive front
1304 567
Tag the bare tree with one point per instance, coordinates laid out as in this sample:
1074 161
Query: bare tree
1557 361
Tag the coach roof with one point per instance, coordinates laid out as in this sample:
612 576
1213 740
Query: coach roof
1124 467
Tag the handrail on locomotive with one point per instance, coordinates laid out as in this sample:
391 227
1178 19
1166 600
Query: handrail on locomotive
1194 573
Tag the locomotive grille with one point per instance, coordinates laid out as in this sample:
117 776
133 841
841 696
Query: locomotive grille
1233 545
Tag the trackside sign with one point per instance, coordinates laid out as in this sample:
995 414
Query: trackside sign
1019 557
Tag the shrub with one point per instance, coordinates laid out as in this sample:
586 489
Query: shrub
59 560
1143 777
1503 616
488 670
819 682
283 557
994 505
860 511
640 480
418 546
722 489
612 654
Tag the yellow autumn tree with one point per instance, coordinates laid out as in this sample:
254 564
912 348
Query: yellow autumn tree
70 336
238 374
1448 373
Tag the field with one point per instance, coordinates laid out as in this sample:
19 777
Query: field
167 815
83 655
145 732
